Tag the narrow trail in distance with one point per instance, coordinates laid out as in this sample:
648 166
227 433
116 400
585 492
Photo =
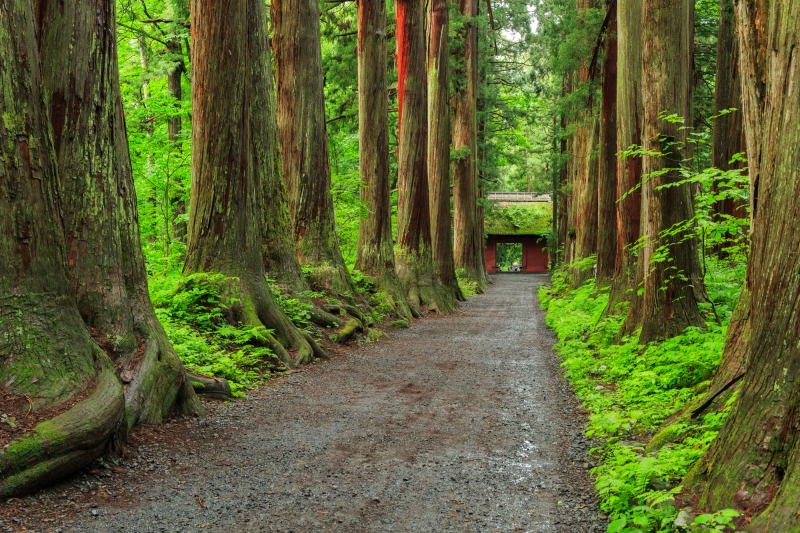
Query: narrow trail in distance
459 423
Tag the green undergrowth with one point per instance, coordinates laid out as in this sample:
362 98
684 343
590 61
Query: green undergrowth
468 286
201 323
631 390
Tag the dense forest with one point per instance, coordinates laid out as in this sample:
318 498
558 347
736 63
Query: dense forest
199 196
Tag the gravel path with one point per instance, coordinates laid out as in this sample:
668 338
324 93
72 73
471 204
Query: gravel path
459 423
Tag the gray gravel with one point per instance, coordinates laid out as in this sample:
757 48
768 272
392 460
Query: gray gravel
459 423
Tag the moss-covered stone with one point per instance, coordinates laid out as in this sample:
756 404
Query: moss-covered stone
399 324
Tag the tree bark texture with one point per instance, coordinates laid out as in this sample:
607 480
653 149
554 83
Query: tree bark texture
669 304
439 144
607 230
728 135
277 243
414 255
229 45
47 353
375 243
174 128
104 252
584 171
469 245
628 274
753 464
304 142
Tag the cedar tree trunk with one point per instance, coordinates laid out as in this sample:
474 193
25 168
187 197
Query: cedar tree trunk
414 256
607 231
47 353
753 464
375 243
627 275
439 144
669 303
277 243
104 253
229 45
304 142
469 245
728 136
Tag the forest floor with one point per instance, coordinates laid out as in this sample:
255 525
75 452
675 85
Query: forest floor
459 423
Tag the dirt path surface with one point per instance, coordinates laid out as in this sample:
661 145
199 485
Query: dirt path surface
457 424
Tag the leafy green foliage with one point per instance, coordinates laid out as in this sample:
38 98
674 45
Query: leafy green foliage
630 390
468 287
197 319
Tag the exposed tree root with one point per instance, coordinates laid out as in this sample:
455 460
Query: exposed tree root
68 442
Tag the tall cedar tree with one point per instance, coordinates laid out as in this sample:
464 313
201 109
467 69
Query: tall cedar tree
414 257
180 13
304 142
753 462
439 143
584 168
48 354
607 230
669 303
375 245
277 242
104 253
226 196
727 137
469 245
627 275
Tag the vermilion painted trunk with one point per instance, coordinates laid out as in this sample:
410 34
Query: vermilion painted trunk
439 143
627 273
414 257
469 244
669 304
375 243
304 142
752 465
607 230
224 234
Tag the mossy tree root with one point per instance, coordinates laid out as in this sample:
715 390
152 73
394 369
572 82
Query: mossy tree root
68 442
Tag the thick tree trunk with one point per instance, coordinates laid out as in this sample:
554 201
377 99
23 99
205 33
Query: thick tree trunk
304 142
47 353
439 144
669 303
753 465
584 172
277 243
584 168
628 274
607 231
106 265
375 243
414 256
229 43
469 245
728 136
